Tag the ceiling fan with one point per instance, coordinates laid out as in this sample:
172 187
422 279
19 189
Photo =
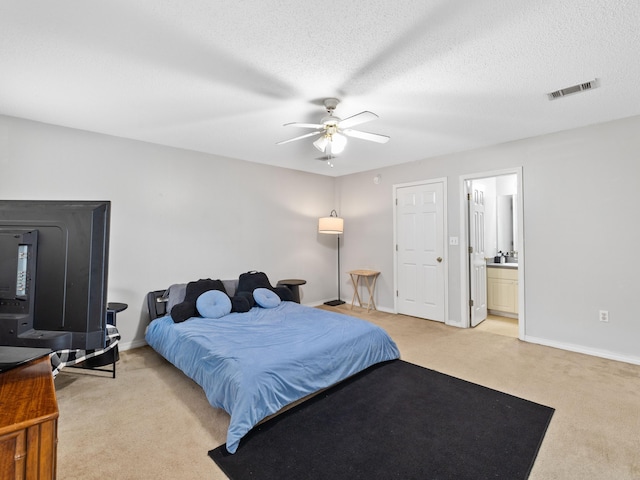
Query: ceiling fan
334 131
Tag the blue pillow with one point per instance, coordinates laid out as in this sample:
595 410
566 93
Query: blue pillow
266 298
213 304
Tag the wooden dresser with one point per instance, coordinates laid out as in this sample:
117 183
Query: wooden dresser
28 422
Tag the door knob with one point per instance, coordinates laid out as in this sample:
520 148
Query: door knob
439 259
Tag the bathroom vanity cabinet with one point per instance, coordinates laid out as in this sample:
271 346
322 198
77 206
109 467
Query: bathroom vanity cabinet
502 290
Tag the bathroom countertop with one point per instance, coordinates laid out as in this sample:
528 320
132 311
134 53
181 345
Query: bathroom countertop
502 265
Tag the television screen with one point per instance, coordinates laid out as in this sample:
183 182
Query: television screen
53 273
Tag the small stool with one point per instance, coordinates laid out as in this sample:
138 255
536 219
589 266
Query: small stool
294 286
368 275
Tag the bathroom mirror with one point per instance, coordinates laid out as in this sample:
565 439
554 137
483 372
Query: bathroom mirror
506 223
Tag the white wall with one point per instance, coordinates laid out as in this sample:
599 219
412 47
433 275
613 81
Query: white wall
176 215
581 228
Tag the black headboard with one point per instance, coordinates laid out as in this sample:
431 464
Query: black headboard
157 304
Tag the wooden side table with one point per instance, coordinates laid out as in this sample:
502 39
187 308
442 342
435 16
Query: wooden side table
370 278
111 356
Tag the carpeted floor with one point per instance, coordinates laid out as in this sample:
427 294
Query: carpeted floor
395 420
152 423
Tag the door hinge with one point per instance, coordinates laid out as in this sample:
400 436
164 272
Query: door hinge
396 202
469 196
471 303
470 249
397 294
396 247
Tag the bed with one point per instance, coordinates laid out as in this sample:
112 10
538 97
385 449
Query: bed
254 364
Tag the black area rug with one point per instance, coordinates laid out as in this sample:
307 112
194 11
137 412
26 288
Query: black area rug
395 420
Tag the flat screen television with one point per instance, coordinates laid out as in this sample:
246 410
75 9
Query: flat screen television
54 258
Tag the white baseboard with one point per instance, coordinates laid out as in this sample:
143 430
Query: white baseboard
585 350
124 346
502 314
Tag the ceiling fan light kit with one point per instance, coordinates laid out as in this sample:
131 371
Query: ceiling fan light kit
334 131
321 143
332 143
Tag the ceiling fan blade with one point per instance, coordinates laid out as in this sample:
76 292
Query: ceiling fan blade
357 119
301 137
372 137
304 125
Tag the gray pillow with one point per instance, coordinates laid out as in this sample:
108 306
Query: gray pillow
177 293
230 286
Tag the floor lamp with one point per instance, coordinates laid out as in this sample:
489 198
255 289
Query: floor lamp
333 225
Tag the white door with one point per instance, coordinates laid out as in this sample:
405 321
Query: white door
420 253
477 263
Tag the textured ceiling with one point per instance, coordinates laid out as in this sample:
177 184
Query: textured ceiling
224 76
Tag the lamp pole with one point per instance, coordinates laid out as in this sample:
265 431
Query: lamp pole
333 225
340 302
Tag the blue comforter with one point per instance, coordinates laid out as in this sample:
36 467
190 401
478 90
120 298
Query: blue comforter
253 364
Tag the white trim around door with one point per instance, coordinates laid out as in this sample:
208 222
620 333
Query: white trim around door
426 293
464 246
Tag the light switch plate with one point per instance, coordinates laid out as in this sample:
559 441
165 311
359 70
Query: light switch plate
453 240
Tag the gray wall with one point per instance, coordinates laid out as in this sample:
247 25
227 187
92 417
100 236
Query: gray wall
581 228
176 215
179 216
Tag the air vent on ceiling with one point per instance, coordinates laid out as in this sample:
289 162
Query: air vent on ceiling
581 87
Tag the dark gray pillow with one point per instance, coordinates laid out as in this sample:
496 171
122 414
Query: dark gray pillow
187 309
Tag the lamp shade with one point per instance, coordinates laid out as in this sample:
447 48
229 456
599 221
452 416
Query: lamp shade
332 225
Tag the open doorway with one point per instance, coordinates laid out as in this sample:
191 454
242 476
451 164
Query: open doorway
493 260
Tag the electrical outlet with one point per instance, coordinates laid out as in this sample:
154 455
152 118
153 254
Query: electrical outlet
604 315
